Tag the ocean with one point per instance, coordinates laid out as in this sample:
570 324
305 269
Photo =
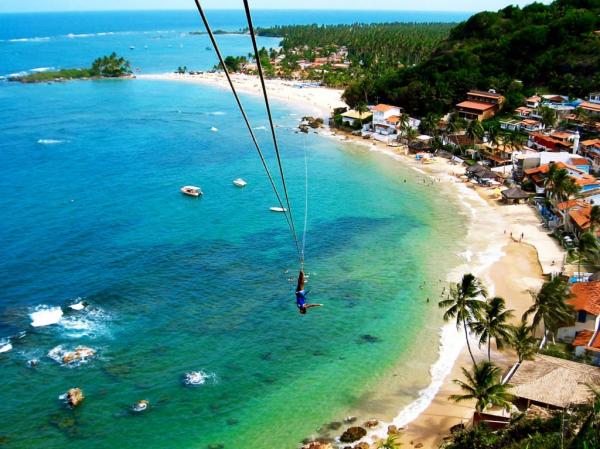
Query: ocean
91 211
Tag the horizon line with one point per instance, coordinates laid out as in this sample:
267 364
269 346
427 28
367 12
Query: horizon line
238 9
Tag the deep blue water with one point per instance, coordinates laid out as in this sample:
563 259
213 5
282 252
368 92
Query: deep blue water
90 208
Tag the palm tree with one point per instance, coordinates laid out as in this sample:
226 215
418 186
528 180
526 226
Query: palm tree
492 323
523 341
558 184
361 108
485 386
463 304
594 219
474 131
430 124
391 442
587 248
410 135
548 116
549 305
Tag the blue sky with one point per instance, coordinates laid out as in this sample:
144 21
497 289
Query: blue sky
87 5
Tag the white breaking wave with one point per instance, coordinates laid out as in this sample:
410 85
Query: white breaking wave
5 345
29 39
50 141
262 128
41 69
198 378
213 129
45 316
216 113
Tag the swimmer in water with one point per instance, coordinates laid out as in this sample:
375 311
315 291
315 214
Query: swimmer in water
301 296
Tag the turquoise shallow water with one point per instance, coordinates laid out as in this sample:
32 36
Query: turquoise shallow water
90 206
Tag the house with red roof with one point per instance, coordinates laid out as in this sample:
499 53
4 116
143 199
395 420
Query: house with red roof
386 118
480 105
584 334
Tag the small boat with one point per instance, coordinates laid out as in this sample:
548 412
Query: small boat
132 47
140 406
240 182
277 209
191 190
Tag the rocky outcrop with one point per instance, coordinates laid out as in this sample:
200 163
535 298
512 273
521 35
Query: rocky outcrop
353 434
370 424
75 397
392 430
362 445
317 445
78 355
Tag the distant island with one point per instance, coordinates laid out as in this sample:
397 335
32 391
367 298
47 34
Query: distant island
219 31
111 66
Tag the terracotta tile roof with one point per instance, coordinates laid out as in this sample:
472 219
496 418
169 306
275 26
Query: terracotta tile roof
571 203
591 142
586 296
595 344
590 106
561 135
585 180
582 338
529 121
475 105
581 216
393 119
482 93
523 109
579 161
533 99
383 107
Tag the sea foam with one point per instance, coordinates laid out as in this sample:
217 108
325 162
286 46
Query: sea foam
50 141
5 345
45 316
195 378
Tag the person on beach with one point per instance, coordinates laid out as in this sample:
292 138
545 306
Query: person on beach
301 295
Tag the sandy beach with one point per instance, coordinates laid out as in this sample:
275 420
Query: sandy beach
507 248
315 101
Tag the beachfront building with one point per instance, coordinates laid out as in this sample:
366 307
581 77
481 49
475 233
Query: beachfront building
353 117
584 333
595 97
533 102
554 141
591 150
385 121
480 105
482 175
587 183
552 383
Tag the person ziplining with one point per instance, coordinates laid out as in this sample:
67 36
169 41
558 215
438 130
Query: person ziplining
301 295
300 292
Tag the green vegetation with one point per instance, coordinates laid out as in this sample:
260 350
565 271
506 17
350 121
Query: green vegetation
377 46
111 66
578 429
515 51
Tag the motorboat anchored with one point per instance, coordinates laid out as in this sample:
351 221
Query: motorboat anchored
278 209
191 190
239 182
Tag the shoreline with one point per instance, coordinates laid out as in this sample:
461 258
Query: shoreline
506 266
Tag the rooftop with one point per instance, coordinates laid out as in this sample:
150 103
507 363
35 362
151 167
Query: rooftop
483 93
475 105
579 161
354 114
555 382
595 107
383 107
582 338
586 296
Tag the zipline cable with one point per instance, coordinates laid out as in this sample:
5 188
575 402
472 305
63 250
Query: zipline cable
253 136
305 203
268 107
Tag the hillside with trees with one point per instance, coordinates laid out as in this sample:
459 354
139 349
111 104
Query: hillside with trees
516 51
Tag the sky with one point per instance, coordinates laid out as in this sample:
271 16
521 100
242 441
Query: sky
95 5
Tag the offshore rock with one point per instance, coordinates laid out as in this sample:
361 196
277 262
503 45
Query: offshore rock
362 445
392 430
334 425
353 434
79 354
317 445
75 397
371 423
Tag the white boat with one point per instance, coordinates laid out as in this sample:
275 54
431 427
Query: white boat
191 190
240 182
277 209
